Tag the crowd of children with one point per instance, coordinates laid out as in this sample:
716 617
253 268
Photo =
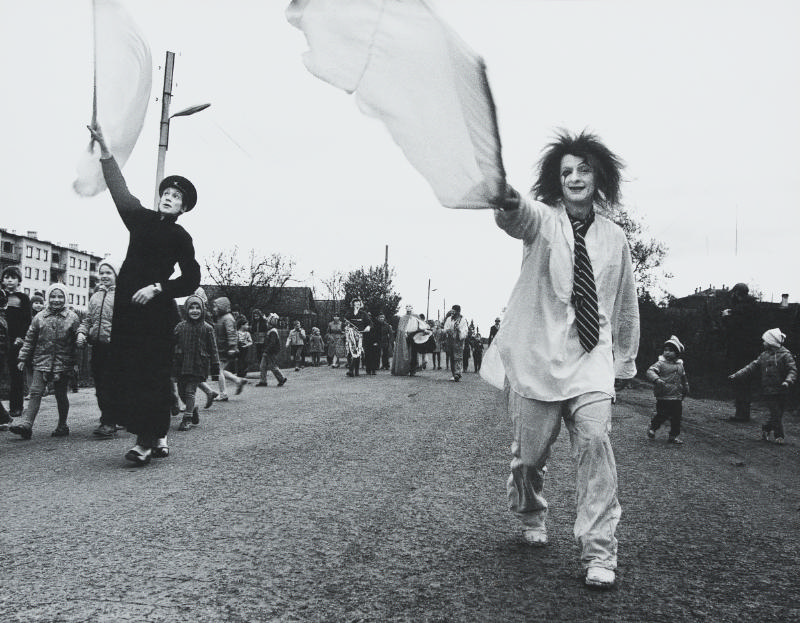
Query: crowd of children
210 343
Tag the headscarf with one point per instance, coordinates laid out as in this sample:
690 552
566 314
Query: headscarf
773 337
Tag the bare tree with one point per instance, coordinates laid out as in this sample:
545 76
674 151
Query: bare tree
251 282
334 285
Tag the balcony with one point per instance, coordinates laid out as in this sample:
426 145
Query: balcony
58 267
11 256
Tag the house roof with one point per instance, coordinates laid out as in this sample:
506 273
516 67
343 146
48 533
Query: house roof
287 301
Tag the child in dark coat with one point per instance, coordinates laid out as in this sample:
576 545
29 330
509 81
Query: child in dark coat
778 371
195 351
5 418
670 387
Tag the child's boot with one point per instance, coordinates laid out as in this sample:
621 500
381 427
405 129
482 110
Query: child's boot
195 417
186 423
62 430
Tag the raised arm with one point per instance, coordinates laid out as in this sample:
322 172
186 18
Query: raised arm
128 206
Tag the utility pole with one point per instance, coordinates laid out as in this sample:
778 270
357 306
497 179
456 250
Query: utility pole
163 137
386 265
428 305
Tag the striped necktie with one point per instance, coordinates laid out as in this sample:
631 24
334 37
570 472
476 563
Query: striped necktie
584 293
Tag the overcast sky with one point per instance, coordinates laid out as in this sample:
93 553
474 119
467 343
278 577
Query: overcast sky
700 98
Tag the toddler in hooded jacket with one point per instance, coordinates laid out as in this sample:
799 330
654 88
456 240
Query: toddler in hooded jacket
778 371
670 387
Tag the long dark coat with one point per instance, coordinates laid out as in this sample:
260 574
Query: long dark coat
142 335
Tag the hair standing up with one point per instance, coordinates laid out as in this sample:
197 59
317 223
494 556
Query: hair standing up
606 165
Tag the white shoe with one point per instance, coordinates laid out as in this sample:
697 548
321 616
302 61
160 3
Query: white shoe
600 577
139 455
535 536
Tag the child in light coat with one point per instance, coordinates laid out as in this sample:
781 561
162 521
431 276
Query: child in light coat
778 372
316 345
670 387
95 328
49 345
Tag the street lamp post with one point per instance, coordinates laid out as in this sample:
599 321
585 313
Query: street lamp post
166 98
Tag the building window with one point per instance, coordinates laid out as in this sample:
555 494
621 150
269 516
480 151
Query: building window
71 280
28 291
44 275
8 247
71 297
84 299
45 255
92 266
28 251
38 254
37 274
72 262
56 258
27 272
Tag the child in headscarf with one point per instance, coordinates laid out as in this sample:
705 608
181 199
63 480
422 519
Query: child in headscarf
778 371
195 350
95 328
50 346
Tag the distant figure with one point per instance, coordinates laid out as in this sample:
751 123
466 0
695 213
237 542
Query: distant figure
334 340
740 324
455 328
296 341
401 359
493 330
670 387
778 371
316 346
477 350
272 348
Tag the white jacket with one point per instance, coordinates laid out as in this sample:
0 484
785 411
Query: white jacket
538 342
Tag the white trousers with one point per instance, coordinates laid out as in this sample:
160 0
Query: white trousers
536 427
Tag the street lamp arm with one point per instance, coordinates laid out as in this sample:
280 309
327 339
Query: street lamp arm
190 111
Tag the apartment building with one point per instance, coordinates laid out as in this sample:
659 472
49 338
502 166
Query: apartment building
42 263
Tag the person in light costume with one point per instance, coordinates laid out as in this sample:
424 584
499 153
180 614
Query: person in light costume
551 375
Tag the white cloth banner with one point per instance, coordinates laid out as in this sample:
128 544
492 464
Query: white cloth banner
414 73
123 79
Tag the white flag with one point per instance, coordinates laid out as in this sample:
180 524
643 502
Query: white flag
414 73
123 78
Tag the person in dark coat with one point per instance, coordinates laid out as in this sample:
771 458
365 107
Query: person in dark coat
144 307
361 322
741 334
18 317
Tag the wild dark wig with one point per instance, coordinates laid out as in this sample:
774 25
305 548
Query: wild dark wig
606 165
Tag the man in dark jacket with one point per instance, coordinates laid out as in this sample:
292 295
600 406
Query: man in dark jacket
743 345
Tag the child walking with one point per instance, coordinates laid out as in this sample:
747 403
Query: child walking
316 345
778 371
5 418
296 341
195 350
272 348
670 387
95 328
50 345
245 344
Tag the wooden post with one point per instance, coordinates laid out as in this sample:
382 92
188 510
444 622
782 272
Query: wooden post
163 138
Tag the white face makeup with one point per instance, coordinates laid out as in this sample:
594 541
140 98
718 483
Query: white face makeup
577 181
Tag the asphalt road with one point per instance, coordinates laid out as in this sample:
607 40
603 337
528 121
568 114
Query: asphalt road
383 499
